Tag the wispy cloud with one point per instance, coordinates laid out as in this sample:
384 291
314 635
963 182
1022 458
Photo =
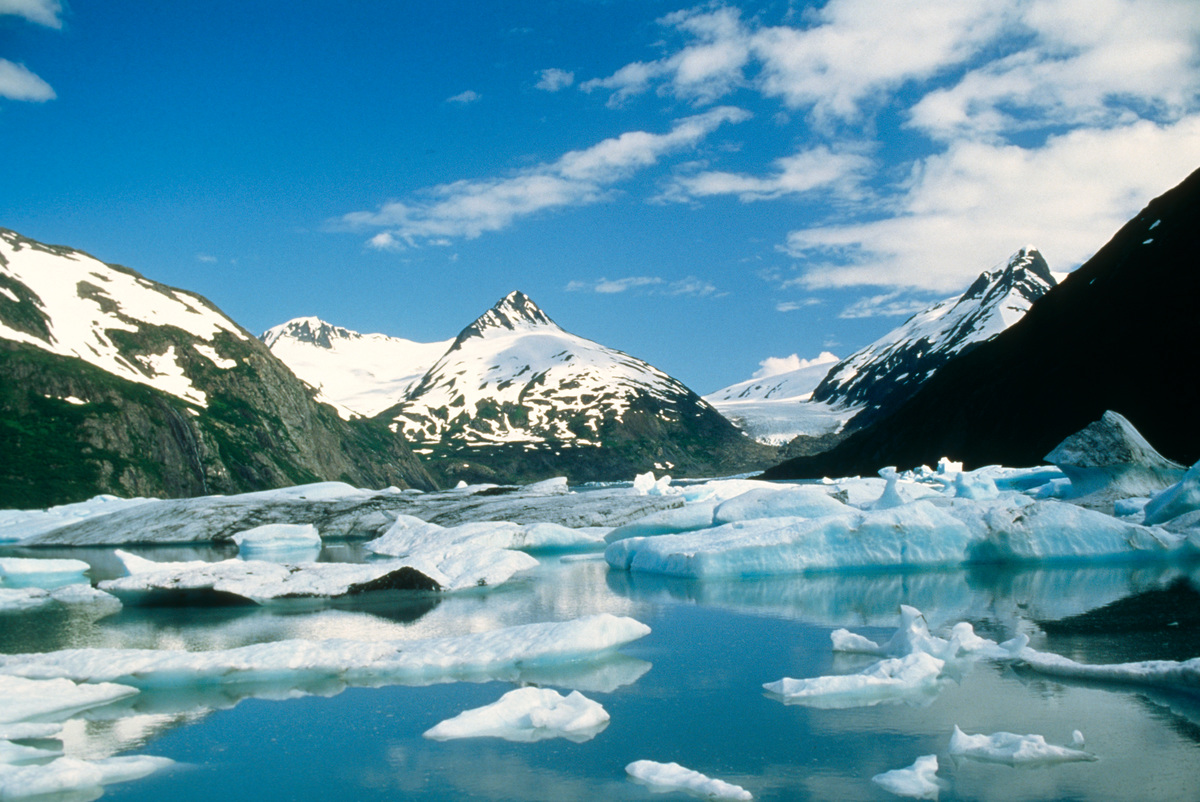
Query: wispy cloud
1045 121
467 209
891 304
652 285
18 83
43 12
554 79
206 258
463 98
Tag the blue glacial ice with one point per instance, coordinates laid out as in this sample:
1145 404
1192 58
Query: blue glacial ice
526 715
296 542
665 777
1178 499
23 572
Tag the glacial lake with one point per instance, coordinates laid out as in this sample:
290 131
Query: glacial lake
690 692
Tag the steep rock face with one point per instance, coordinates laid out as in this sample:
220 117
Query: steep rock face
880 376
517 398
1118 335
358 374
110 382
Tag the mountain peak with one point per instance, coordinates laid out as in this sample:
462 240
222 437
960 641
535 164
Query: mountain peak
514 312
310 330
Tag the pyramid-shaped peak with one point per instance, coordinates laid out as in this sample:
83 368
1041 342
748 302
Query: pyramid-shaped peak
514 312
310 329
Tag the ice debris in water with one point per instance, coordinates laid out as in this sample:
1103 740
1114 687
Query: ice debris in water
644 484
674 777
1008 747
1166 673
67 774
19 600
22 698
1178 499
37 572
526 715
910 673
497 654
918 781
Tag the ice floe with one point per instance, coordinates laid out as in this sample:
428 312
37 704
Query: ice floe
22 699
17 600
1014 749
16 572
66 774
918 781
272 540
527 715
674 777
806 501
496 654
912 672
1184 675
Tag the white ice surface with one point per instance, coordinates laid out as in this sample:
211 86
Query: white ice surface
526 715
674 777
644 484
68 774
40 572
13 600
1167 673
918 781
480 656
262 581
789 501
22 699
1011 748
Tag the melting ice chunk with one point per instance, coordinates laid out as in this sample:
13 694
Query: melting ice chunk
34 572
918 781
674 777
526 715
68 774
1008 747
912 679
22 699
279 539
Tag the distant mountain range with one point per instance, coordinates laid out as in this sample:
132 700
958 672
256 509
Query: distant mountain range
111 382
1118 335
514 397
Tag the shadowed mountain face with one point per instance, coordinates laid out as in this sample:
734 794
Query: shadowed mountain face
517 398
113 383
1119 334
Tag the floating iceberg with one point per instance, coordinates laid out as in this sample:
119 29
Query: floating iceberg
1183 675
410 536
674 777
790 501
1109 459
527 715
19 600
688 518
67 774
1178 499
279 539
498 654
918 781
644 484
912 672
22 699
1008 747
18 572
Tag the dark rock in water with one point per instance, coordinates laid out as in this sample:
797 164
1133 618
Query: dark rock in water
405 578
1111 457
1011 399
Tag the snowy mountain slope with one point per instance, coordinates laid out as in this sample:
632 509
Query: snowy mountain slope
113 383
515 379
777 408
357 374
890 369
68 303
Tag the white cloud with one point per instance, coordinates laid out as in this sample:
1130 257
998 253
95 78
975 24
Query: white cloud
470 208
775 365
653 285
18 83
469 96
819 168
964 210
554 79
206 258
43 12
384 241
891 304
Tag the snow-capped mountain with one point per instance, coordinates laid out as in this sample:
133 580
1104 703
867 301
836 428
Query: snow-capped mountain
892 368
776 408
357 374
113 383
555 402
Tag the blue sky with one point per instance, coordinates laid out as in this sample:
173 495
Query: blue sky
703 186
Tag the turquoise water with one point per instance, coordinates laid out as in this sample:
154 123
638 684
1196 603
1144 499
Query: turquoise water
691 692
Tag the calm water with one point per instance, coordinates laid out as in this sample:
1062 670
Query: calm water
690 692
